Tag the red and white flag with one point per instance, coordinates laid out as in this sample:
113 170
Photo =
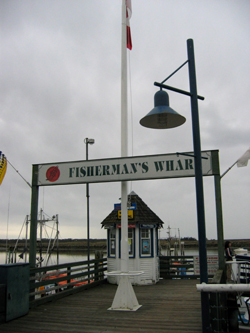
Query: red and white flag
128 16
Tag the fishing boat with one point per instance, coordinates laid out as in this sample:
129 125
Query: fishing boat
48 241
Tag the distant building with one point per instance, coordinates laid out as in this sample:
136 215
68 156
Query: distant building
143 225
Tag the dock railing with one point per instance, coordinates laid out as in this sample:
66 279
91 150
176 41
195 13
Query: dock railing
181 267
218 305
57 281
227 308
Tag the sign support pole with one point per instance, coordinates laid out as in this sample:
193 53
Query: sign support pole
33 217
218 203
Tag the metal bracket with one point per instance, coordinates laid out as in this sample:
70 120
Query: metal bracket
185 154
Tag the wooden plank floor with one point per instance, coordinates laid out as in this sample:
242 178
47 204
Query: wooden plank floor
169 306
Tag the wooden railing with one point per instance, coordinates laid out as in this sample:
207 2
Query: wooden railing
181 267
57 281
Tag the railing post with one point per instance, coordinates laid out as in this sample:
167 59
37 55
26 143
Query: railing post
68 276
232 306
218 305
218 311
98 256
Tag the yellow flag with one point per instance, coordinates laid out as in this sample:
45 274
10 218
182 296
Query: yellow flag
3 166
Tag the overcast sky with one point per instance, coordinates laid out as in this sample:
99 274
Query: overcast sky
60 83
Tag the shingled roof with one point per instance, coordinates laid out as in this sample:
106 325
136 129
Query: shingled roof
142 215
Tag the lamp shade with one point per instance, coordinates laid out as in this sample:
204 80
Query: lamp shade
162 115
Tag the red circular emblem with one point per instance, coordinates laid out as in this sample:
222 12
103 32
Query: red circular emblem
52 174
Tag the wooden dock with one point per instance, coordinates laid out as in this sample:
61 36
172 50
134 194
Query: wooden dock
169 306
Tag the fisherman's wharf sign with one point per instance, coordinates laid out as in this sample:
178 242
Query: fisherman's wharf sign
123 169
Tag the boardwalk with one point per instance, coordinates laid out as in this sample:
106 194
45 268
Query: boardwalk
169 306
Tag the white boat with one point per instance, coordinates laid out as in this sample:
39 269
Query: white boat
241 251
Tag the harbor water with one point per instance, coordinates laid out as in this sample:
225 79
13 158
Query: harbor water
74 257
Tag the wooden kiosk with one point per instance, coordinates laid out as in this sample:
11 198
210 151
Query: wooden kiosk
143 225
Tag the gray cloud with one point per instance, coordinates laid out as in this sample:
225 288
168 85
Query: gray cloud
60 82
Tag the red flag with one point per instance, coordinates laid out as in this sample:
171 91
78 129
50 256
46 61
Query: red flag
128 16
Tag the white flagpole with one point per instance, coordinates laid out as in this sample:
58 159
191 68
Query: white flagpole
125 298
124 142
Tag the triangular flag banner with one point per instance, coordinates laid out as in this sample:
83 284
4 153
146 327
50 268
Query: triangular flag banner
3 166
243 160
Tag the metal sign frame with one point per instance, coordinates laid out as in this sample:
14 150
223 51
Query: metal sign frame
169 166
123 169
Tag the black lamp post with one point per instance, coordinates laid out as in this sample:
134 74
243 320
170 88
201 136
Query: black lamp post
88 141
162 116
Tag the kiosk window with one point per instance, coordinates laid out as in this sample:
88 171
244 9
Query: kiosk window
145 242
112 242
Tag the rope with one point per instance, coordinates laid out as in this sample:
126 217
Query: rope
7 231
19 174
131 112
131 105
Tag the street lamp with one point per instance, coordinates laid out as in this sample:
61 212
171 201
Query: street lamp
88 141
162 116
